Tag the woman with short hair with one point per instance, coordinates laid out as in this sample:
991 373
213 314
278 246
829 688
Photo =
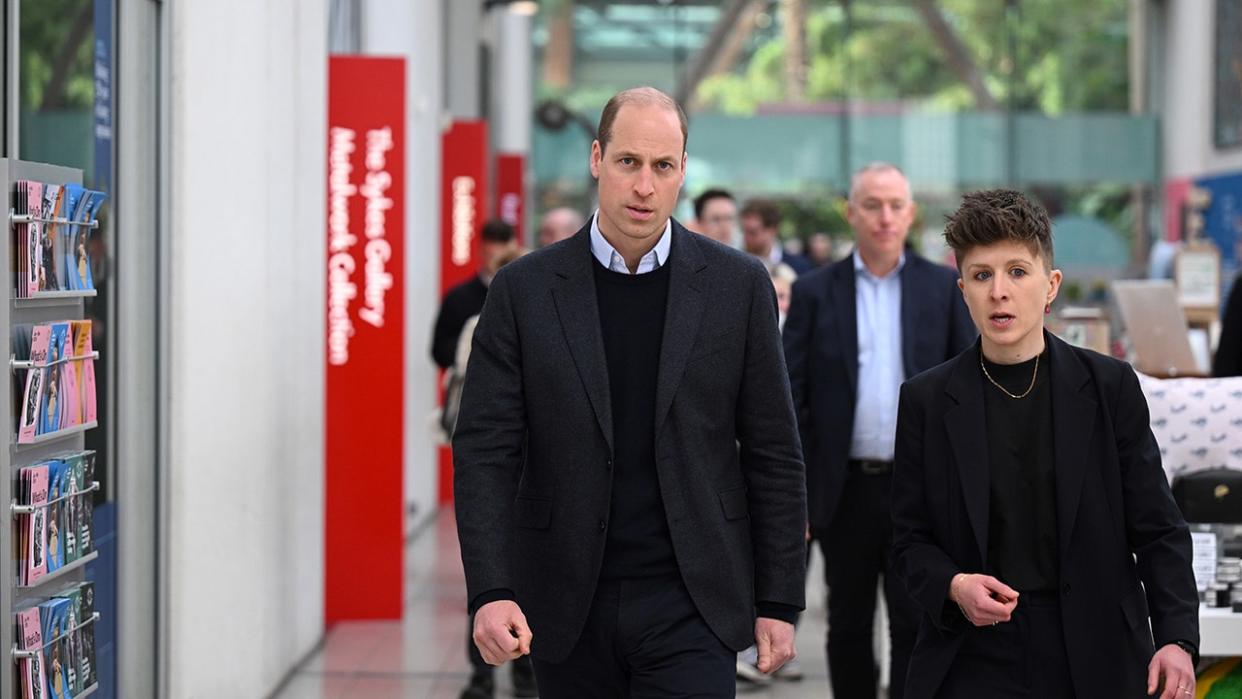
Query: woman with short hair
1033 523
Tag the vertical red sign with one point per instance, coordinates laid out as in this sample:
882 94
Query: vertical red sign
365 344
511 191
463 210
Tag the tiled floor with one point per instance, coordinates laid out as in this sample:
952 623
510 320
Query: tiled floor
424 655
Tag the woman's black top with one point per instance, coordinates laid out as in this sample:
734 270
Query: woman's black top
1022 514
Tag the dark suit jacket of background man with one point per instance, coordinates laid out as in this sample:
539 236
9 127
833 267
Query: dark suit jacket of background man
460 304
821 347
1117 523
798 263
533 447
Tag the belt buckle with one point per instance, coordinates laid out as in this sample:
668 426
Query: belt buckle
873 468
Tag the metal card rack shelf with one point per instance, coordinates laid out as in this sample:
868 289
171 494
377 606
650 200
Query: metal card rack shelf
48 306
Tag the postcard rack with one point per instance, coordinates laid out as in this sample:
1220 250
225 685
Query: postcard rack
43 307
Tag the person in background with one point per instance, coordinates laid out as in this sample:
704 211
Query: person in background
783 278
819 249
466 299
558 224
761 222
715 213
1228 360
461 304
1033 523
856 330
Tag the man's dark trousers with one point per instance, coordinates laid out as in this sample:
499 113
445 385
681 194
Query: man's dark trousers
856 558
643 638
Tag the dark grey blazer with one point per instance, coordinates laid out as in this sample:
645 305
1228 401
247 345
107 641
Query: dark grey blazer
533 447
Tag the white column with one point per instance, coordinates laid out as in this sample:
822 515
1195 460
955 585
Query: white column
1189 31
512 89
413 30
244 343
461 69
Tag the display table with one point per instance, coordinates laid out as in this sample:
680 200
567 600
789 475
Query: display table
1220 632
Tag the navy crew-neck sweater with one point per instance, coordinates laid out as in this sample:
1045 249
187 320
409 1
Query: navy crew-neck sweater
631 313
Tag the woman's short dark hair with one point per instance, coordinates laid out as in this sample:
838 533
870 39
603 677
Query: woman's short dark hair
996 215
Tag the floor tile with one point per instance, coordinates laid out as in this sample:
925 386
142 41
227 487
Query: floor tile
424 653
441 686
317 686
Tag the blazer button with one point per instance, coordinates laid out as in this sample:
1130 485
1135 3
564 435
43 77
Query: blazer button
1065 589
608 464
602 525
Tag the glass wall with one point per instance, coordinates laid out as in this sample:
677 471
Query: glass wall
786 98
65 118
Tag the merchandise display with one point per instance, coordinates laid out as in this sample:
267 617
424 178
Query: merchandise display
57 531
51 404
59 638
60 377
51 236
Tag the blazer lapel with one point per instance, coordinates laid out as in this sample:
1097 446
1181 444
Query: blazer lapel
578 309
1073 420
967 428
681 319
845 305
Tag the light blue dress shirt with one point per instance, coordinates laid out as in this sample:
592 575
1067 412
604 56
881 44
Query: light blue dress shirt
877 302
611 259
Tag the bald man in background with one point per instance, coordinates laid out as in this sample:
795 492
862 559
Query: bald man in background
559 224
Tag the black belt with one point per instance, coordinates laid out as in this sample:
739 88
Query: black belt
871 467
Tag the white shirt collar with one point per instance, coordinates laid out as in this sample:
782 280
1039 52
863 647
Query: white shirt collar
611 259
861 267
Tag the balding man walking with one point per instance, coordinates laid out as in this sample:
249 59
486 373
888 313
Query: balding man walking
610 523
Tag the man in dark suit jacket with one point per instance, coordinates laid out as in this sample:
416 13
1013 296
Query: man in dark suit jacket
464 301
629 485
1033 524
856 329
1229 348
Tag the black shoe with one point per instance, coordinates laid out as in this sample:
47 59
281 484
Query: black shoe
481 686
524 680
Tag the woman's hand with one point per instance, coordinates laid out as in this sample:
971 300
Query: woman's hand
984 600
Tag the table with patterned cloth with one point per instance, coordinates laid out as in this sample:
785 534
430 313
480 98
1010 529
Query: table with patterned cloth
1197 422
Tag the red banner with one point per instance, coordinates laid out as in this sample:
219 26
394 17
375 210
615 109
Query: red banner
511 192
363 526
463 204
463 210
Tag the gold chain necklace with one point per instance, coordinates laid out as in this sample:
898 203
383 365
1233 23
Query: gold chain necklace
1004 390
